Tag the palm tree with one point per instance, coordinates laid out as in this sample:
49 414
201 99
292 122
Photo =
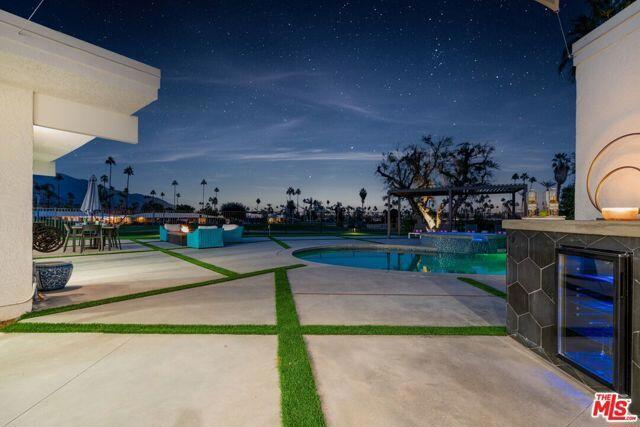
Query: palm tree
290 192
214 202
104 179
298 192
363 196
203 183
515 177
524 177
177 199
48 193
111 162
547 184
216 191
152 193
58 178
162 196
175 184
562 167
127 171
258 204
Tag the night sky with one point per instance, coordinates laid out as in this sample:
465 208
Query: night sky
260 96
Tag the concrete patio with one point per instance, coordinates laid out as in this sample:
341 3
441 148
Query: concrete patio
136 380
79 379
102 276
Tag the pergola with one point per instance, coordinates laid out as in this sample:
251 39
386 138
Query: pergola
473 190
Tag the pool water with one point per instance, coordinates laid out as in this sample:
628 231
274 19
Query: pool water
407 261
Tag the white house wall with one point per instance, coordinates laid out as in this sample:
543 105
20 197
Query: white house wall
608 106
16 145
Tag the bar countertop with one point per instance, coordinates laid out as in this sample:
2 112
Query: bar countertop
600 228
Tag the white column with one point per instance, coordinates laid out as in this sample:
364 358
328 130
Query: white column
16 177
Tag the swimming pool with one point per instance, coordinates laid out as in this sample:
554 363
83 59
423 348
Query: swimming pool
388 259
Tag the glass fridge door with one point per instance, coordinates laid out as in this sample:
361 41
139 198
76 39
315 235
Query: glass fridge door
587 320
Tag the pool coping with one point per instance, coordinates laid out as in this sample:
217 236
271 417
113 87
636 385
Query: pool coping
375 246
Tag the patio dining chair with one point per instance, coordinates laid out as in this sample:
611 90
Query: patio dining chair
111 237
68 234
116 236
93 233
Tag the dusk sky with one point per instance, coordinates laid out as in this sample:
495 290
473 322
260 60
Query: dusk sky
260 96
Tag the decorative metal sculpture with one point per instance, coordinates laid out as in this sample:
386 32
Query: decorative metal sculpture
593 198
47 238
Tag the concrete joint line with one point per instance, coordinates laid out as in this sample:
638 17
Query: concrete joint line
68 381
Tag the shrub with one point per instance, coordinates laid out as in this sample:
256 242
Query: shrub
234 211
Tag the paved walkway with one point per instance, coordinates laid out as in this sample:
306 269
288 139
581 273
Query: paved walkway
176 372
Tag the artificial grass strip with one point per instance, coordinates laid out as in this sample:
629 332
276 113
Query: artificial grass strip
300 403
139 236
488 289
280 242
153 292
186 258
199 263
116 328
344 236
402 330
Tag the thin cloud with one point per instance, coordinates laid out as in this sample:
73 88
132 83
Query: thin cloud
241 78
311 155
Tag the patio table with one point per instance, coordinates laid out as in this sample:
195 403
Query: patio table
76 231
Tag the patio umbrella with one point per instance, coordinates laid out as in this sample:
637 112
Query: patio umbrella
91 202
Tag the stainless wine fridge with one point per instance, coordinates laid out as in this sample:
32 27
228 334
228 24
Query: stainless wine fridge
594 320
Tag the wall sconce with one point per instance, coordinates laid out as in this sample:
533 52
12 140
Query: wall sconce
609 212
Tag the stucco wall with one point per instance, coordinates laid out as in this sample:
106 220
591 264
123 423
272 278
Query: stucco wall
16 153
608 106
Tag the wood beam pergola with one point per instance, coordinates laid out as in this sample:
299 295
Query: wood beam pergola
450 192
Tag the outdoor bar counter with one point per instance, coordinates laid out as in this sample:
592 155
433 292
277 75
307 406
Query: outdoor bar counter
573 296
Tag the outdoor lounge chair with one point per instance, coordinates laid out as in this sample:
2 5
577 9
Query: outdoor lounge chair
232 233
166 229
205 237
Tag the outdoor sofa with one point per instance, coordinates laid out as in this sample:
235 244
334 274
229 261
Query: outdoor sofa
205 236
232 233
